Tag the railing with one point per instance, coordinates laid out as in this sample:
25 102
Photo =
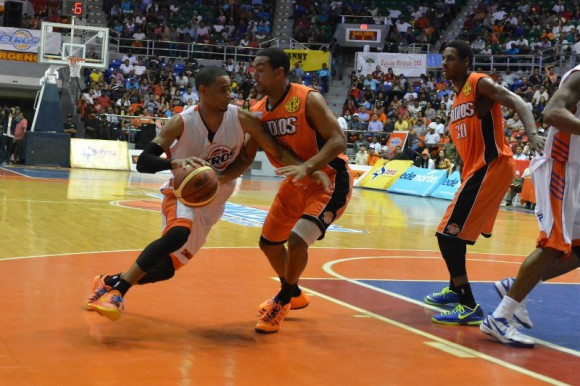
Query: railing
119 44
354 19
296 45
558 56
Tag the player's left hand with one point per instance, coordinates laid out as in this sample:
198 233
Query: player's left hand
536 143
297 172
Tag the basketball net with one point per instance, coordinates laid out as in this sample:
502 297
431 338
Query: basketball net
75 65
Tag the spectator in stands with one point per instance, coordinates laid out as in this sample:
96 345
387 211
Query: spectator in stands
296 73
432 138
375 146
361 140
356 124
190 94
442 162
69 126
363 116
91 126
337 61
361 157
19 136
401 124
424 161
375 125
514 125
126 68
324 76
438 127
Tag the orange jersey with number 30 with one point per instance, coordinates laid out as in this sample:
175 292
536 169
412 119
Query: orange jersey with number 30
479 139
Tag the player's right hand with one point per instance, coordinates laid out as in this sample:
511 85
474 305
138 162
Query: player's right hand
194 162
536 143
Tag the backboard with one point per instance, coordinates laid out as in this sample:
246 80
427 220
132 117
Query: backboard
60 41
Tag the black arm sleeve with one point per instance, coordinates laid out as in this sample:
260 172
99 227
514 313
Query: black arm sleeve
150 162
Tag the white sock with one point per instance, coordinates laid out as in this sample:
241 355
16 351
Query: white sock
506 308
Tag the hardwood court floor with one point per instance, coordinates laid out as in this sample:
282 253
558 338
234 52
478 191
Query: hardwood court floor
366 324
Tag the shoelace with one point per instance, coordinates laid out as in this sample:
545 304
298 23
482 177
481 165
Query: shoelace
443 292
457 310
116 300
274 311
97 294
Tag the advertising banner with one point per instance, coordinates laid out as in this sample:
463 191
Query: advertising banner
384 173
311 59
397 138
449 187
99 154
25 40
418 181
359 171
410 65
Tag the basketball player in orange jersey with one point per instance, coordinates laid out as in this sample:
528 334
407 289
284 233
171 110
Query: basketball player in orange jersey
298 117
556 177
476 127
209 134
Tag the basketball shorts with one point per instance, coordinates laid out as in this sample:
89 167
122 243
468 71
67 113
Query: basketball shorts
475 206
557 186
198 220
308 201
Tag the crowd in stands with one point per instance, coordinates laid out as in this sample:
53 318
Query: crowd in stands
383 102
215 22
524 28
148 91
36 11
417 22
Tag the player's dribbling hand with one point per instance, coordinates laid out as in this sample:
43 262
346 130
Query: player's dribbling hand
536 143
194 162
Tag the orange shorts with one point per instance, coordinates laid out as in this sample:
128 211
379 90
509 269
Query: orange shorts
308 201
475 206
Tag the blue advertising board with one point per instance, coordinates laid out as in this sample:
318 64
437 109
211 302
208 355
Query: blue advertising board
418 181
448 188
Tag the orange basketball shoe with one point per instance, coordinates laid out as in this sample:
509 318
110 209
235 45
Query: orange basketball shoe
296 302
271 320
111 305
99 289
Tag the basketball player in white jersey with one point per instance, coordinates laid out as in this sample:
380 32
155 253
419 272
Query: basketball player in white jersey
556 177
213 134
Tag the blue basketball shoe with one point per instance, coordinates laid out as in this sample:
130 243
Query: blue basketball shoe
461 315
446 296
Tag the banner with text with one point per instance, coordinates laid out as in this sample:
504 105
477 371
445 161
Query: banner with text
384 173
28 40
449 187
418 181
99 154
311 59
410 65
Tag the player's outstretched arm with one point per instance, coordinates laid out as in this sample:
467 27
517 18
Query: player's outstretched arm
489 89
558 112
150 161
324 122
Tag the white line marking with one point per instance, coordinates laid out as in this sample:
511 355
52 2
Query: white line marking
450 350
443 341
328 269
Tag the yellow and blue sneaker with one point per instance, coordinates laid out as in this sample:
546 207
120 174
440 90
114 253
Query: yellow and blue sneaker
446 296
461 315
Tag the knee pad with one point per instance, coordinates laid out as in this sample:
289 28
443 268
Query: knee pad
169 242
307 230
453 252
164 271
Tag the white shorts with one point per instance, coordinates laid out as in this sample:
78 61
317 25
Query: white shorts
557 186
198 220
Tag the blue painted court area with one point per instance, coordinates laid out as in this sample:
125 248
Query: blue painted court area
41 173
553 308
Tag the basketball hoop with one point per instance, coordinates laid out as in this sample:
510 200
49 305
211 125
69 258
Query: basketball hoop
75 64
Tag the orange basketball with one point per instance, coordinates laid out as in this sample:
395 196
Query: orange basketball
195 186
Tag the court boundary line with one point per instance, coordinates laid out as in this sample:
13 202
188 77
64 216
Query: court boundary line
456 346
327 267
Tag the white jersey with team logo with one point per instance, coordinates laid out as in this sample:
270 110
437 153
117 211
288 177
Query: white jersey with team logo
219 152
558 146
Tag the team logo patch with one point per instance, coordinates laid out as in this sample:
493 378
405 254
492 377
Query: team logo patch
327 217
467 89
187 254
453 229
292 105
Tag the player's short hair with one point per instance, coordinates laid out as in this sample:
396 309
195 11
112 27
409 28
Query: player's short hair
207 76
277 58
463 49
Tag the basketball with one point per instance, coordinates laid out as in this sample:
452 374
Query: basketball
195 187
